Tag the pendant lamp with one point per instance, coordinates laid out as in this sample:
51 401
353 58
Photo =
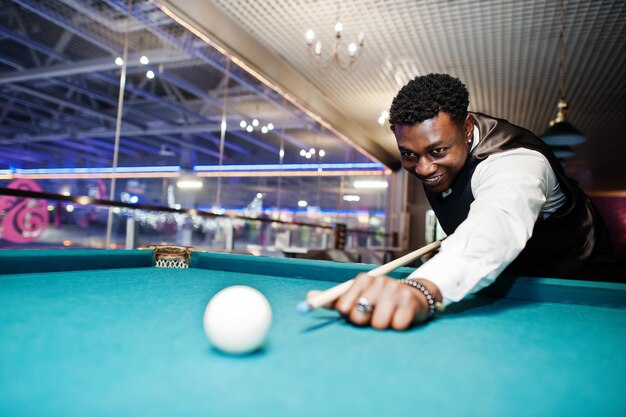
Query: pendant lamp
561 132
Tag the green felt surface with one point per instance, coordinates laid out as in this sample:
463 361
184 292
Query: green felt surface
286 267
130 342
25 261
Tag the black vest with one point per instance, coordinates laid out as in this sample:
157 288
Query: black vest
561 244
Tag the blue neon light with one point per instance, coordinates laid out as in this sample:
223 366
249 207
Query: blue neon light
106 170
375 166
300 211
288 167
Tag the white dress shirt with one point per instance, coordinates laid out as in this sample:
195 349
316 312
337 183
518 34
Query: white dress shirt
511 189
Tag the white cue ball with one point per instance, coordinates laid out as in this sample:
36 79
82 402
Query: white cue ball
237 319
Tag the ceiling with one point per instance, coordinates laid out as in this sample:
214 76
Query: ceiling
59 84
506 52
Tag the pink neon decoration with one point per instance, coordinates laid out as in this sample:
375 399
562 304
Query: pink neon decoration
25 219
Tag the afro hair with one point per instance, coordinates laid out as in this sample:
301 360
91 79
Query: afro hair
423 97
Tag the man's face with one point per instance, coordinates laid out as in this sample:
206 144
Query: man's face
436 149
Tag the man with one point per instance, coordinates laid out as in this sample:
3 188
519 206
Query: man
500 195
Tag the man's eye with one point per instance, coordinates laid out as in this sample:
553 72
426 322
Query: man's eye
407 155
438 151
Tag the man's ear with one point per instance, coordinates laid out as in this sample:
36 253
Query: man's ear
392 128
469 125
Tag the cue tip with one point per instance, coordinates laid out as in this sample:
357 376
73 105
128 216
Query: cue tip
304 307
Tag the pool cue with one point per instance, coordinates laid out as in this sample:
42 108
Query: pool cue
337 291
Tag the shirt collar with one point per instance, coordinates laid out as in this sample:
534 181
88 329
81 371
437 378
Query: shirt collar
475 140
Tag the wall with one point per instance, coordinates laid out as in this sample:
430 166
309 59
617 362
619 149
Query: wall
613 210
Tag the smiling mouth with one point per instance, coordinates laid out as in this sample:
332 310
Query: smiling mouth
432 181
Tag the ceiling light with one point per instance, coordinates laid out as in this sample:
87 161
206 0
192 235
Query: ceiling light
144 60
370 184
119 61
150 74
338 55
250 126
189 181
351 197
166 151
310 35
189 184
302 203
321 153
352 49
561 132
384 115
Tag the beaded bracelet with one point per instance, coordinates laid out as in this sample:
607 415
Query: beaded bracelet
433 306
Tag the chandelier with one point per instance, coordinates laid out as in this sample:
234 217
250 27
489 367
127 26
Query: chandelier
339 55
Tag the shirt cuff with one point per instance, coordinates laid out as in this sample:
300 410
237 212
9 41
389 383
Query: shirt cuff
453 276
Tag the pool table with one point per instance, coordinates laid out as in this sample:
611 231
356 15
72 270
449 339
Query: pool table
106 333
